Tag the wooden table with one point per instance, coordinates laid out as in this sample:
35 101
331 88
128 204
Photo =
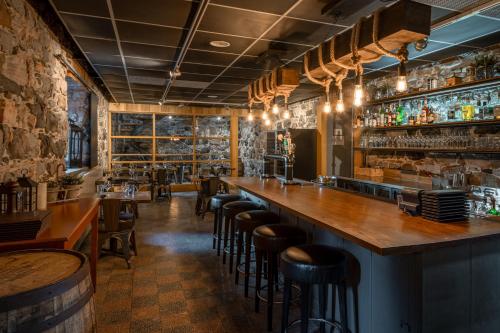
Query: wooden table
409 274
139 197
68 222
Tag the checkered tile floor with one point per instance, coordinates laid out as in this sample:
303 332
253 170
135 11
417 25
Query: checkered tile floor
177 284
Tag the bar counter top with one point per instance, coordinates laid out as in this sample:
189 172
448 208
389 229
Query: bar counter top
373 224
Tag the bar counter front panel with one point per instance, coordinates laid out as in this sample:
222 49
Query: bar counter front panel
410 274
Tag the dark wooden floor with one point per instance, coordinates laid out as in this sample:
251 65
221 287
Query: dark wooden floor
177 283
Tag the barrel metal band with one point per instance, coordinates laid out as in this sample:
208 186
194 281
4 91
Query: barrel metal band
36 326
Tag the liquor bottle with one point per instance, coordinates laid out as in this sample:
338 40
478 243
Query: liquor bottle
366 119
451 113
381 117
424 113
411 120
389 117
394 115
431 116
359 122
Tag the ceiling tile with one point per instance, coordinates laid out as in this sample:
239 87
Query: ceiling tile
106 60
108 47
210 58
148 51
148 73
149 34
469 28
274 7
439 14
233 80
250 62
196 77
241 23
458 5
117 85
493 12
88 7
200 69
159 65
302 32
446 53
114 78
202 41
311 10
225 86
484 41
284 51
89 26
151 87
171 12
110 70
243 73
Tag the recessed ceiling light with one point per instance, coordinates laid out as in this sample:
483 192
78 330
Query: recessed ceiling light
219 43
212 96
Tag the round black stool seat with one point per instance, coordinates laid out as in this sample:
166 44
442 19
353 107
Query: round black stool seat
313 264
229 211
278 237
249 220
269 241
246 222
220 200
216 203
320 265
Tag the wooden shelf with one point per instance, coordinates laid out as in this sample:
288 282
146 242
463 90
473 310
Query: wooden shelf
434 150
437 91
437 125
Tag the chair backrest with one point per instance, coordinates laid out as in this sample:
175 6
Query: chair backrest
111 212
209 186
161 176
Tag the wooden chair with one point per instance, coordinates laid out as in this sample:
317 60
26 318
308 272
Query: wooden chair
206 188
162 184
115 229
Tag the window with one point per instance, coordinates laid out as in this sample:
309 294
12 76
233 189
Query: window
191 142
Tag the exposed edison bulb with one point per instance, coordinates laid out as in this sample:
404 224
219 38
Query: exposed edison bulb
339 107
267 122
250 116
265 115
358 95
276 108
327 107
286 114
401 84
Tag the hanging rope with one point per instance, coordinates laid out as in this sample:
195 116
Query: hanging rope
324 83
322 64
401 55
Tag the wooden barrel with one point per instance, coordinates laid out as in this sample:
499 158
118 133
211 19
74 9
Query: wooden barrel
46 291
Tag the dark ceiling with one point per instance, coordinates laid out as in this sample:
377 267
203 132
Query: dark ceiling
133 44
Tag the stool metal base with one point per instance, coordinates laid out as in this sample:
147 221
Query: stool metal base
333 325
292 300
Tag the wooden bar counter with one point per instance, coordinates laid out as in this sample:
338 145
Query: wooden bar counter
409 274
68 222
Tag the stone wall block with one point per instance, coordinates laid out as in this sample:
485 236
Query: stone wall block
23 145
15 68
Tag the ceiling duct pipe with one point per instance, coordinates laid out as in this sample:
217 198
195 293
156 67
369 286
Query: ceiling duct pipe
200 12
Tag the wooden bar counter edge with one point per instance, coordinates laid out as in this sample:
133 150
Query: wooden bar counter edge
409 274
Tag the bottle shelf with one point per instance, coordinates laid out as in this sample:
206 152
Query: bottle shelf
434 150
438 91
436 125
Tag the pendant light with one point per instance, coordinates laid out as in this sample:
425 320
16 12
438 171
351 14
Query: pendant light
286 114
401 84
276 108
265 115
250 113
267 122
339 107
358 90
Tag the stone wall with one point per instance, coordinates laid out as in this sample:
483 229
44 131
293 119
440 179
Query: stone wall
252 135
33 95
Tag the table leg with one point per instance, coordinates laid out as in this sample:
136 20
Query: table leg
94 251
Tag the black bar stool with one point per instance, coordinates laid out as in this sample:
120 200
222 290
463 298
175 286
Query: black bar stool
229 211
270 240
311 264
245 223
216 203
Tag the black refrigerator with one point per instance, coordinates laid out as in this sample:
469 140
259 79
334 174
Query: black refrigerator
305 141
